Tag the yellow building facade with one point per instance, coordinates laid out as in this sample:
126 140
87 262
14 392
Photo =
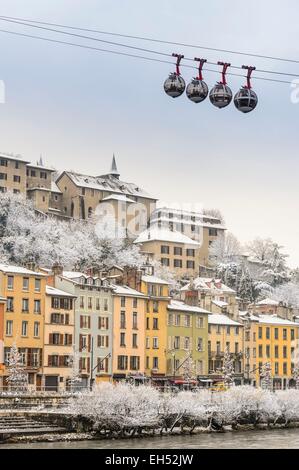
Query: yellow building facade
224 335
23 321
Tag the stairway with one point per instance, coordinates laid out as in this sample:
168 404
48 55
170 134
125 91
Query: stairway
14 425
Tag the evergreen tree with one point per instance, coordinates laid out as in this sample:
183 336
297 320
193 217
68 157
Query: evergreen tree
17 376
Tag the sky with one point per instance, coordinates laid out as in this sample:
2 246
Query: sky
76 106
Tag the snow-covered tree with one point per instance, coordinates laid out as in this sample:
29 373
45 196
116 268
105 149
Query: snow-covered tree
17 379
225 249
287 293
214 212
296 375
228 369
75 379
189 367
266 376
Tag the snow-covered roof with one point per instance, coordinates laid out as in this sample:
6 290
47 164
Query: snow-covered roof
40 167
10 269
219 319
74 274
2 299
106 183
275 320
219 303
54 209
153 279
125 290
57 292
205 283
39 188
117 197
181 306
9 156
268 301
54 188
165 235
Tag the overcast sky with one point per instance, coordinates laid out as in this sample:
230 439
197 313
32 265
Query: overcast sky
76 107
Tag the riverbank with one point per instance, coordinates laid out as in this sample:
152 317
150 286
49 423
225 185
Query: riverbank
272 439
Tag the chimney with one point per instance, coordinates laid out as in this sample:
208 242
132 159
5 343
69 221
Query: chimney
57 269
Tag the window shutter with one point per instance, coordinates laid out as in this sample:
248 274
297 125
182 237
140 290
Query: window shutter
50 339
49 360
107 341
61 361
67 319
88 364
70 339
107 323
89 343
80 364
106 364
81 321
60 339
62 319
88 322
80 343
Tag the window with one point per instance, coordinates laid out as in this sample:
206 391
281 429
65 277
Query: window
134 362
228 330
276 333
82 301
155 343
190 264
122 362
292 335
122 319
165 249
3 176
122 341
97 303
123 301
276 368
89 302
199 344
135 302
276 352
43 175
260 350
147 342
155 324
10 282
10 304
3 162
178 251
200 322
236 348
8 329
36 329
213 232
260 332
103 341
165 261
177 263
3 189
16 179
37 306
285 352
25 305
84 321
134 322
218 348
190 252
33 173
83 191
24 328
177 320
155 363
134 341
155 306
25 283
147 323
187 322
285 368
267 351
284 334
267 333
187 343
227 346
218 329
176 342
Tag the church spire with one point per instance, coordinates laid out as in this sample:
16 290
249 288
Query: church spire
113 169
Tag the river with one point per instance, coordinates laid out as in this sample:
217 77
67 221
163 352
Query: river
274 439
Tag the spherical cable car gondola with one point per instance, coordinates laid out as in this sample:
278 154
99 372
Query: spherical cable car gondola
175 85
246 99
197 90
221 94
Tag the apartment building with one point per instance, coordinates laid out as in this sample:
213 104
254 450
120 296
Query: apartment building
211 294
270 306
201 228
225 334
59 334
23 318
172 249
2 310
270 339
85 195
128 333
93 323
187 336
12 174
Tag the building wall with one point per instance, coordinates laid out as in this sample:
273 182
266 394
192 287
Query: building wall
40 199
155 338
10 168
63 326
2 305
90 324
123 330
219 337
38 176
30 344
178 350
154 249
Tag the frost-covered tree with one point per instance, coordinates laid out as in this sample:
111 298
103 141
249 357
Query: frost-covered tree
269 260
266 376
75 379
287 293
225 249
214 212
228 369
17 379
189 367
296 375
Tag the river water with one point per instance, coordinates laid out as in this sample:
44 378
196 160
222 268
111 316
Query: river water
276 439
